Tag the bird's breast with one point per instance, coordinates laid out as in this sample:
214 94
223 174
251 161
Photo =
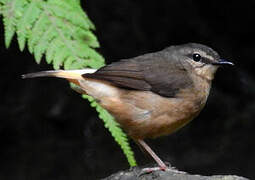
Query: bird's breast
144 114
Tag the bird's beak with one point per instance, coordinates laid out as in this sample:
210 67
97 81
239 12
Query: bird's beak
222 62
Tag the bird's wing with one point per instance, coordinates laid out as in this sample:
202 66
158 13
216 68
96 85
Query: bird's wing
150 72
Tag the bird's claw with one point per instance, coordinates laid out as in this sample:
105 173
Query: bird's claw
153 169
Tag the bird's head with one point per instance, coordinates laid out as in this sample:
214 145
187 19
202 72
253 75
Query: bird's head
200 59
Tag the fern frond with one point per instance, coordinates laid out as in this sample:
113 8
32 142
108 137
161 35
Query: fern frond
39 28
1 6
40 45
43 23
12 11
69 61
60 30
113 127
74 15
31 13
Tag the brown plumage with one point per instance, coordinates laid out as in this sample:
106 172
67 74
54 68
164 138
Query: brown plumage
154 94
149 72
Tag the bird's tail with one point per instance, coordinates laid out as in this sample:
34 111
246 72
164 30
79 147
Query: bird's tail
94 88
67 74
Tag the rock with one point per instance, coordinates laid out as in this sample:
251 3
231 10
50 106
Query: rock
171 174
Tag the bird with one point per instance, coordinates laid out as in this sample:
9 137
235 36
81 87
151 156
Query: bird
150 95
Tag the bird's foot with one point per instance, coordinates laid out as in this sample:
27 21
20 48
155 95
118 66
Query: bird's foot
152 169
163 168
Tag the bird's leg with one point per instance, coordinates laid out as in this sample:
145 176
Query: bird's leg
161 164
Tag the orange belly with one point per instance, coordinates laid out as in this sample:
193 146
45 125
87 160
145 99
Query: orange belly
147 115
144 114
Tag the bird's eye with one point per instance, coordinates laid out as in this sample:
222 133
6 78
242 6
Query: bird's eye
196 57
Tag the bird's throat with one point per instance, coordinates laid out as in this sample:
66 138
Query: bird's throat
207 72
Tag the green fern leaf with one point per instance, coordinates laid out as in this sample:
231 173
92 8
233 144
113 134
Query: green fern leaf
60 57
73 16
60 30
69 61
42 44
50 52
39 28
24 25
2 2
11 11
86 37
9 30
75 13
116 132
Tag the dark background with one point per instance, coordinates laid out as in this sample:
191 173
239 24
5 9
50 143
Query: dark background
48 132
